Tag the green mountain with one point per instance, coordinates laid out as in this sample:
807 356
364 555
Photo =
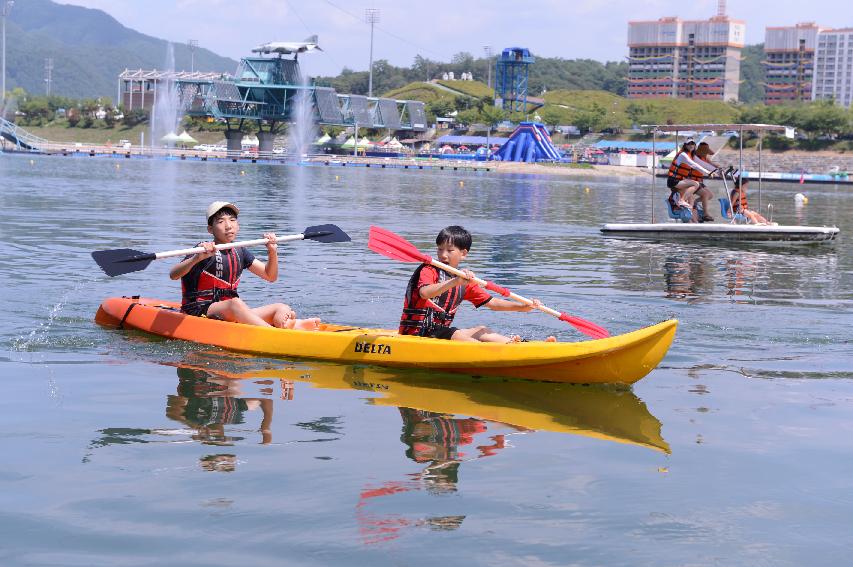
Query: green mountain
89 49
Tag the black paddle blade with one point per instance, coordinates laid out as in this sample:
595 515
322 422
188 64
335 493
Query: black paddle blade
326 233
122 261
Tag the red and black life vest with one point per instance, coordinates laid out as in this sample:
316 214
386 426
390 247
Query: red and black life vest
215 279
422 316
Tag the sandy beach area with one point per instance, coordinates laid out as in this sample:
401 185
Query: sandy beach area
567 170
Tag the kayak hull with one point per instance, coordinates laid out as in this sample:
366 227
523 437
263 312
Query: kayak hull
621 359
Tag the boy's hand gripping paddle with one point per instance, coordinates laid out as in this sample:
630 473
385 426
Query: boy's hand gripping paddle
396 247
125 260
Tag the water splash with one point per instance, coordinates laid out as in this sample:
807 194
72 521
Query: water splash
300 134
302 129
166 114
38 337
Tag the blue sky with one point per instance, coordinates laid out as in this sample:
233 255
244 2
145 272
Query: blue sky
594 29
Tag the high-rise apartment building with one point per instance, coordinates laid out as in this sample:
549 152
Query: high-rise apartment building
833 74
699 59
789 62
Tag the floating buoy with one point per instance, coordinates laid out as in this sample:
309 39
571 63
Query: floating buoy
242 172
337 178
462 184
586 189
32 162
118 166
800 199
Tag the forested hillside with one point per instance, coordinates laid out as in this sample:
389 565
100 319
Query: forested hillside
89 49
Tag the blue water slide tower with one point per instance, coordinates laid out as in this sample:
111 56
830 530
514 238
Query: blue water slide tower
511 79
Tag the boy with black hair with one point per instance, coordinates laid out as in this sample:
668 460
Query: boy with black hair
433 296
209 279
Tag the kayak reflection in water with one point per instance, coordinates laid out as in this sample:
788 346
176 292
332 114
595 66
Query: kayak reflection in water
435 438
208 403
432 438
205 403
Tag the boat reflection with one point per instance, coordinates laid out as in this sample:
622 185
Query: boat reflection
447 420
205 403
212 397
687 277
592 411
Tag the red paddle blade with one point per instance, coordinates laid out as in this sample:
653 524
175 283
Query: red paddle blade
393 246
586 327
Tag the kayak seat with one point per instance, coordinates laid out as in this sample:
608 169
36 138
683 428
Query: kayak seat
675 212
726 211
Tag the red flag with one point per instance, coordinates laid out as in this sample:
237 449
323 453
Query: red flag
802 176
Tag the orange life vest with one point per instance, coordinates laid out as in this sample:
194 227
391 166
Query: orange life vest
679 171
738 200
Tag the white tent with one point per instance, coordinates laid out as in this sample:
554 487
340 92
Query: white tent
394 144
364 142
185 138
171 138
349 143
323 139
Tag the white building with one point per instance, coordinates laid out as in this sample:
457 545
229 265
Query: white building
678 58
789 53
833 74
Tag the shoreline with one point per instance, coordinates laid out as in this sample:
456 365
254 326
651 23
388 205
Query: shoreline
790 171
556 170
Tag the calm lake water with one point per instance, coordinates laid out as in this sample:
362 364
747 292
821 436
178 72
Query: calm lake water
121 449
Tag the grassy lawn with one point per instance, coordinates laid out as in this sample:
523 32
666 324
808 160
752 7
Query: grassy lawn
669 109
419 91
475 89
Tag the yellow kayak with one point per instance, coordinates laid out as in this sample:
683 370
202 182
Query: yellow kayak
621 359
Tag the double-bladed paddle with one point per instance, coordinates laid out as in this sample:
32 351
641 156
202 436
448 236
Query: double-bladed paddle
125 260
396 247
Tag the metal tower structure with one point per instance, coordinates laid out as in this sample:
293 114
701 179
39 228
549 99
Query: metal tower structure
48 74
511 72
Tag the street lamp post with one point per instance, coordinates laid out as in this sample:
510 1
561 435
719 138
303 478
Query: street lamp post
5 9
371 16
489 52
192 44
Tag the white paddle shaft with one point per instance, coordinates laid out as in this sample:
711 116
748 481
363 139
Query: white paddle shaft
199 249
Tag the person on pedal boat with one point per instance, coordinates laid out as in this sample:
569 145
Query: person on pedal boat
679 180
702 157
737 198
209 279
433 296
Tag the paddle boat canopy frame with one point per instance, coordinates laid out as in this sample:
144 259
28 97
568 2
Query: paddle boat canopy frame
719 231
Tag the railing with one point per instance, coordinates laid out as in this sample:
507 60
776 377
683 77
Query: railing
21 137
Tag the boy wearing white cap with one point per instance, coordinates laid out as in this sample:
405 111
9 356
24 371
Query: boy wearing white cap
209 279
